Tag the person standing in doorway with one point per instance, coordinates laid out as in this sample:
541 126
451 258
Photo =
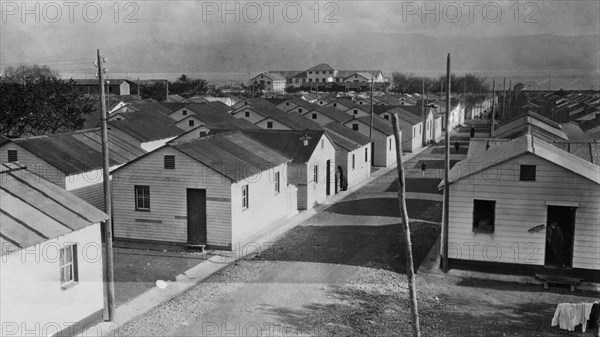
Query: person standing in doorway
343 178
556 240
472 131
456 146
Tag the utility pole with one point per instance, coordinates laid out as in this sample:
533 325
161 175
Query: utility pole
446 211
138 91
493 113
371 125
423 117
109 309
410 268
504 98
509 98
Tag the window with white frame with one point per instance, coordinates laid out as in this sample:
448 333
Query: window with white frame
68 265
13 155
245 197
142 198
316 173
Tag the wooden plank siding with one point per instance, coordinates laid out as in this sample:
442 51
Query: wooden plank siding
362 168
265 205
519 207
33 163
93 194
168 193
317 191
253 116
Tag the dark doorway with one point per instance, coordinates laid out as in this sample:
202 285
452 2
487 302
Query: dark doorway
196 216
560 228
328 177
372 153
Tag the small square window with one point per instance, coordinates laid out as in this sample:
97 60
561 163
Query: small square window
245 197
287 103
386 117
202 133
300 110
184 112
269 125
334 104
191 122
355 127
527 173
483 215
314 116
13 155
247 113
169 162
142 198
355 111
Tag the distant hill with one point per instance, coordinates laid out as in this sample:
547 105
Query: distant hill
404 52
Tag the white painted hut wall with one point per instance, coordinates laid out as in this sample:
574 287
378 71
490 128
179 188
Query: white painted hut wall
521 206
31 292
168 199
265 205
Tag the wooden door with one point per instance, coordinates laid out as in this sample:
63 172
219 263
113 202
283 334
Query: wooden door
196 216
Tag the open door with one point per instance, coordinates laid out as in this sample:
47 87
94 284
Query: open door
560 229
196 216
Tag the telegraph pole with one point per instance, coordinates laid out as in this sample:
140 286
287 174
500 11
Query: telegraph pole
138 91
423 116
371 125
504 98
446 214
109 309
493 117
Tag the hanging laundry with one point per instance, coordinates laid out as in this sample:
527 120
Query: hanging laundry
568 315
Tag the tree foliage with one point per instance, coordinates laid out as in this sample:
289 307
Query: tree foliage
45 105
184 86
410 83
29 74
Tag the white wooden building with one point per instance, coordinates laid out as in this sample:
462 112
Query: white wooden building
383 151
214 191
503 201
73 160
412 129
313 163
51 258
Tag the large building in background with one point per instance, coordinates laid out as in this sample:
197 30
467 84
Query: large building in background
323 75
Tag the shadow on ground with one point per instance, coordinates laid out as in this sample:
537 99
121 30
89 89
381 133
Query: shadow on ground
349 311
418 185
378 247
388 207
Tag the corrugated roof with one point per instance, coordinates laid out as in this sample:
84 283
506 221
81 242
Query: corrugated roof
79 151
345 137
233 154
36 211
524 144
288 143
147 126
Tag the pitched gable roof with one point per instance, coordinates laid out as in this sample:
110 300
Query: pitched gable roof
517 147
147 126
79 151
233 154
288 142
379 124
344 137
320 67
334 113
406 116
36 212
295 121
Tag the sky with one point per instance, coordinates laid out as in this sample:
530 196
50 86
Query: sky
67 34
